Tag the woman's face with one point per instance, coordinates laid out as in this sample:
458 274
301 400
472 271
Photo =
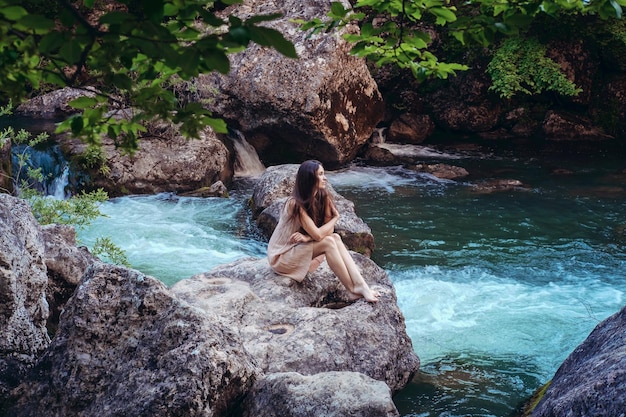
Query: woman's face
321 178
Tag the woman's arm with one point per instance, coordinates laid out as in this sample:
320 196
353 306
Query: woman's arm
328 228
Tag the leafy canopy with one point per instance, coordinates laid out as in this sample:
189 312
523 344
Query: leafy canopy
394 30
132 51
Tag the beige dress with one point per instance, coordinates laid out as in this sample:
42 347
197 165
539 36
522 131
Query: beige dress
290 259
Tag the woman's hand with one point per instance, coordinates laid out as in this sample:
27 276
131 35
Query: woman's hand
298 237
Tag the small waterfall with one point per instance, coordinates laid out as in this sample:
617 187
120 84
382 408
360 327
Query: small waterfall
247 163
56 188
54 168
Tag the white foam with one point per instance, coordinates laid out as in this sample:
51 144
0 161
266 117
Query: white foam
449 311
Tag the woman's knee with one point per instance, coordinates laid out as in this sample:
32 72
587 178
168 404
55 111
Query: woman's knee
336 237
330 242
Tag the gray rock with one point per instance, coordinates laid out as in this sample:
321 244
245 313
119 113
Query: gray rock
325 104
53 104
66 264
308 327
592 380
23 306
127 347
329 394
276 184
165 162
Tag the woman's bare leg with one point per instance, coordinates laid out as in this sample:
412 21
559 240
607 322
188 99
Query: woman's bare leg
328 247
342 264
360 287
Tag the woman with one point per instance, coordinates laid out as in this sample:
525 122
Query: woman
305 234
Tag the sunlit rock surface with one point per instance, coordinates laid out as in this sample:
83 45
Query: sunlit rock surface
324 104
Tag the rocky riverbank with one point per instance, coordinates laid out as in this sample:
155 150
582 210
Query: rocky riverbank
231 341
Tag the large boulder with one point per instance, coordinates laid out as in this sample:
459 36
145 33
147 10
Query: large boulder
127 346
329 394
592 380
165 162
276 184
324 104
309 327
23 306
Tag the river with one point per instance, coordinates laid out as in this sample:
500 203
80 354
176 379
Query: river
497 289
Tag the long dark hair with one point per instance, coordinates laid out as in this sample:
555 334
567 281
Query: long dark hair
304 192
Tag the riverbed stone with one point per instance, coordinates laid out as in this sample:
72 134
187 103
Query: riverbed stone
309 327
328 394
324 104
276 184
592 380
165 162
127 346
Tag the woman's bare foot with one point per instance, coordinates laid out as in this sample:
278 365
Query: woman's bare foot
365 292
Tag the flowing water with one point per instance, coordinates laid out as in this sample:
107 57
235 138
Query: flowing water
496 289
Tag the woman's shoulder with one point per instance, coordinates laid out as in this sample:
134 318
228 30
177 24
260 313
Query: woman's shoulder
290 205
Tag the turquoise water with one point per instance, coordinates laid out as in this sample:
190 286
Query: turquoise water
496 289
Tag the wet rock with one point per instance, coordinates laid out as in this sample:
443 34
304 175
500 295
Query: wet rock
377 155
410 128
329 394
498 185
215 190
443 171
324 105
273 188
309 327
592 380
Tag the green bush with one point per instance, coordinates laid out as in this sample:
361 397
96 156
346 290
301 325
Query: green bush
520 66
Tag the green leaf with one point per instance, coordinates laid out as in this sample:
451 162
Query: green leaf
14 13
153 9
618 9
337 11
443 15
115 18
271 37
36 23
51 42
89 3
71 52
83 102
218 60
76 124
263 18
